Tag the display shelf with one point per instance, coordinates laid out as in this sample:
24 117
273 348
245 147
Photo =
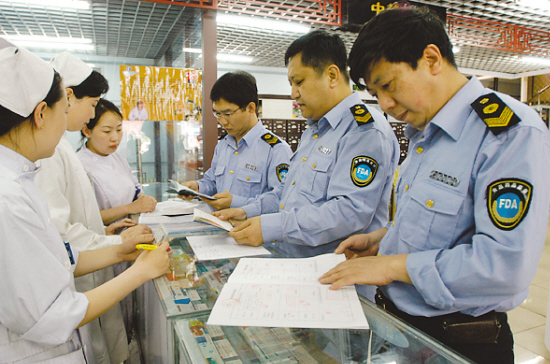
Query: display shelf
388 340
193 286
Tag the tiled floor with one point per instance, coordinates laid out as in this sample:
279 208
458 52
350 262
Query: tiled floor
528 321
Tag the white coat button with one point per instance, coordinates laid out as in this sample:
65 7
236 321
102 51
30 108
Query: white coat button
68 265
95 159
25 168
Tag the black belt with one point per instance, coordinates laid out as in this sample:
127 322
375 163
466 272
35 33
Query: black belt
453 328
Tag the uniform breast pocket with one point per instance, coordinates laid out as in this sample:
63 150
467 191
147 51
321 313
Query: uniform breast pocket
430 217
219 170
250 182
315 178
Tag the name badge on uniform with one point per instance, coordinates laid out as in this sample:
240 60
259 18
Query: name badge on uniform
250 166
508 201
445 178
324 150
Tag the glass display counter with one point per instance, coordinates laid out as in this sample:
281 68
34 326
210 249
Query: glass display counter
189 289
173 309
388 340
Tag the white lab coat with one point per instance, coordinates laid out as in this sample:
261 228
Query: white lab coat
74 210
39 308
114 185
113 181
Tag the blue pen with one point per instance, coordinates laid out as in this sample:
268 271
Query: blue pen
138 191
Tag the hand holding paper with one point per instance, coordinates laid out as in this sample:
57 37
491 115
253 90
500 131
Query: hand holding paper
199 215
180 189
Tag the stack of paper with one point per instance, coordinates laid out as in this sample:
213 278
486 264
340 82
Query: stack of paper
287 293
176 216
222 246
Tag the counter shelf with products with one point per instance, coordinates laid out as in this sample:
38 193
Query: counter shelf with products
189 289
388 340
172 332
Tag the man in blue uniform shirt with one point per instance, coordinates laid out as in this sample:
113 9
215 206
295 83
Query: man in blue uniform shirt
249 160
472 197
340 178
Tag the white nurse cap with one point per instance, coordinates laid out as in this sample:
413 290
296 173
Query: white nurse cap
73 71
26 79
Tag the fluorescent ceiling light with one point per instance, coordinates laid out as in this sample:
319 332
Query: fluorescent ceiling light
535 4
262 24
456 49
536 60
63 4
192 50
233 58
223 57
43 42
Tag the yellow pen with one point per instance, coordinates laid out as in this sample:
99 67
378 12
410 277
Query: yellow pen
146 246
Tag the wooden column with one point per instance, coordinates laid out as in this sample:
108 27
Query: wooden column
209 76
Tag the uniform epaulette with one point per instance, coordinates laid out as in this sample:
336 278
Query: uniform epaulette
270 139
361 114
495 113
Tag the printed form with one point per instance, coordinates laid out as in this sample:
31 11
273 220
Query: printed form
222 246
287 293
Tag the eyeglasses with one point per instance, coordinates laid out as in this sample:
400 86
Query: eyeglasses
225 115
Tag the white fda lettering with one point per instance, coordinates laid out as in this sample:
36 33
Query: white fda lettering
508 203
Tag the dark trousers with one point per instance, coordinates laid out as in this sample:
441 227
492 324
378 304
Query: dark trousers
501 352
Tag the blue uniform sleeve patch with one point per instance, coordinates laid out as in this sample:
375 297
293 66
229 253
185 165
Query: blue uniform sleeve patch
363 170
508 202
282 170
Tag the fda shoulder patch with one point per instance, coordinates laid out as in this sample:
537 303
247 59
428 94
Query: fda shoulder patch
495 113
270 139
363 170
282 170
508 201
361 114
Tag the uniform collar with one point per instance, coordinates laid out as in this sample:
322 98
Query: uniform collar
334 116
85 149
452 117
16 162
250 137
254 133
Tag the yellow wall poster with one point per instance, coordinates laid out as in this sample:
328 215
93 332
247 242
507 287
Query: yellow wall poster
160 93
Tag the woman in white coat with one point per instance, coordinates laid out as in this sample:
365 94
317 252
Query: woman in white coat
40 310
73 207
117 190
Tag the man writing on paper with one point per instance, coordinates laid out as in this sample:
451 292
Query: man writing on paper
340 178
249 160
472 197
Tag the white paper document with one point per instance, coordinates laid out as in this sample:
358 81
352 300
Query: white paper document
176 216
222 246
286 293
205 217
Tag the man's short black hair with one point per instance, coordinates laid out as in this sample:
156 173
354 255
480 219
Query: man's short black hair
319 50
94 86
398 35
237 88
